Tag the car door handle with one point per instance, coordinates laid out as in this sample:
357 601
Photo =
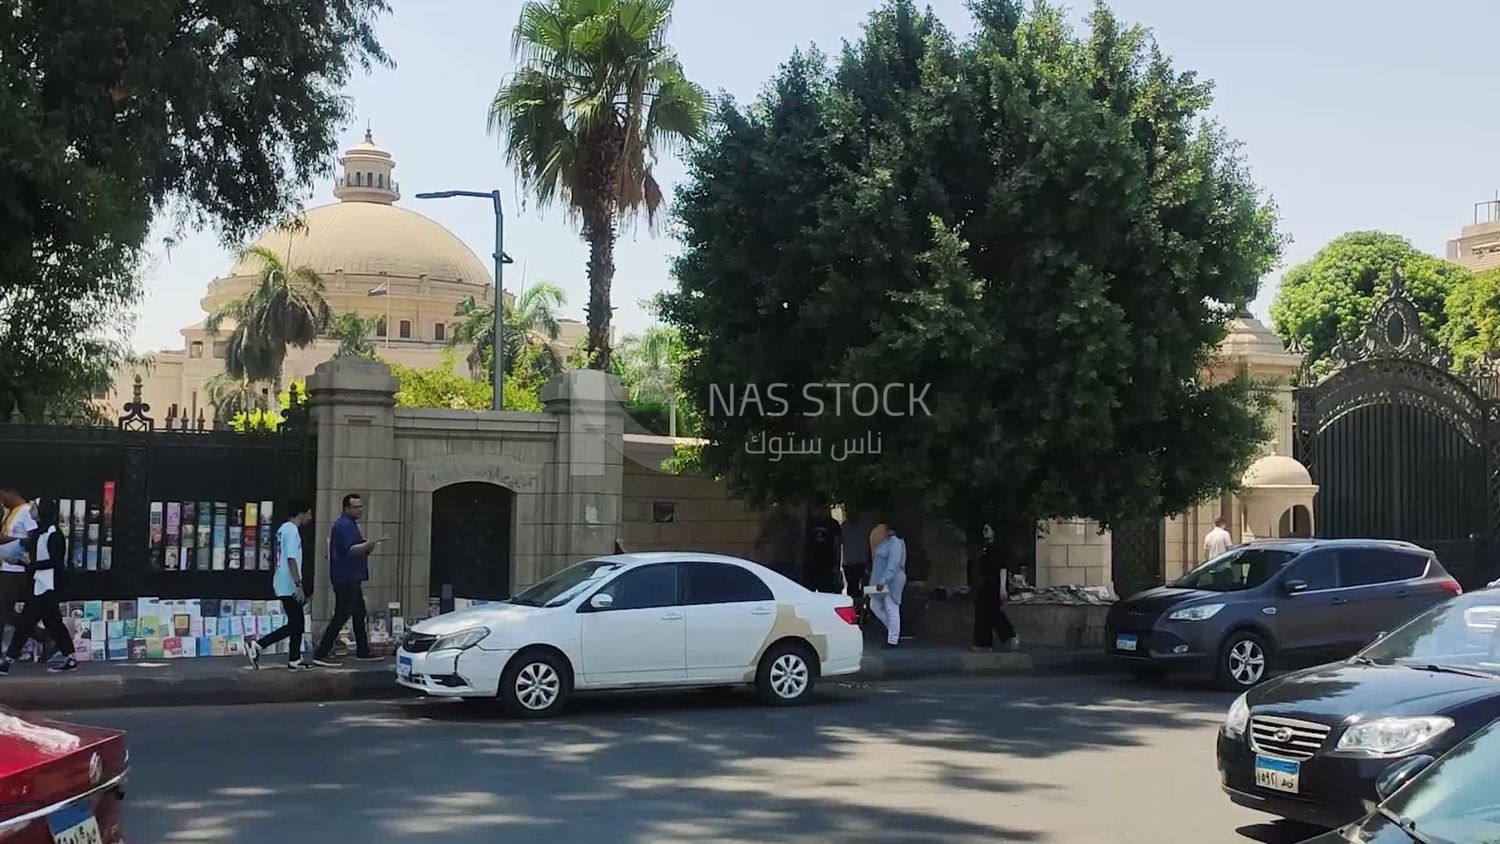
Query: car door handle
1337 601
671 616
1404 593
762 611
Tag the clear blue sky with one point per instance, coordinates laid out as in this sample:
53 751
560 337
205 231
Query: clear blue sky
1354 115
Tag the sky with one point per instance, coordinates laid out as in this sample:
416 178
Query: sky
1354 114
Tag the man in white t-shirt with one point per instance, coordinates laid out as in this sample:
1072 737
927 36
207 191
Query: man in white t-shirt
287 582
1218 541
15 580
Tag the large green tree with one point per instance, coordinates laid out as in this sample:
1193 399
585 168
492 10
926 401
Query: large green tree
1326 300
598 96
112 111
1039 231
283 309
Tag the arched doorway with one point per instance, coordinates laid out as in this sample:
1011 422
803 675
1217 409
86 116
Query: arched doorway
1296 523
471 541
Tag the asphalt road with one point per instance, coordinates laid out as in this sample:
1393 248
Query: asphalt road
1022 760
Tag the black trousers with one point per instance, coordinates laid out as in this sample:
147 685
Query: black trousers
292 630
41 608
348 604
15 588
990 620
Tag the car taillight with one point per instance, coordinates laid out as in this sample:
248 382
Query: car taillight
847 614
1451 586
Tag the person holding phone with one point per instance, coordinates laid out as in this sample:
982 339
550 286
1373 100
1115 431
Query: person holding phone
348 569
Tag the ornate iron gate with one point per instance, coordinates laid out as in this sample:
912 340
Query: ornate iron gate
1401 448
1135 549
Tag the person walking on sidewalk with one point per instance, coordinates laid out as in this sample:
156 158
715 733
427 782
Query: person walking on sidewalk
287 581
15 578
991 590
348 569
46 547
888 580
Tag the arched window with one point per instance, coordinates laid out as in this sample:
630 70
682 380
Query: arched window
380 177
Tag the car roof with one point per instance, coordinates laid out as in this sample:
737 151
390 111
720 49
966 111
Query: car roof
1300 545
643 557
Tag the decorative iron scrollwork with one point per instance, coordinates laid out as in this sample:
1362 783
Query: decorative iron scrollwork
1393 330
135 418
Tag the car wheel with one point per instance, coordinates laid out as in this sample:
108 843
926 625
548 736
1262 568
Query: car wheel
535 685
787 674
1244 661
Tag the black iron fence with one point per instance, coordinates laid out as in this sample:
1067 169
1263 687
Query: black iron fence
172 512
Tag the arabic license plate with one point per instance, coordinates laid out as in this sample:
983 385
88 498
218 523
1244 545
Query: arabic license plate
75 824
1277 774
403 668
1125 642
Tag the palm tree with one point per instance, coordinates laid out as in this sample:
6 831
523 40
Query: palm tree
530 321
230 396
353 333
649 364
598 96
284 308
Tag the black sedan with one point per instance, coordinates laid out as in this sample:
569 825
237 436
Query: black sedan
1312 745
1452 801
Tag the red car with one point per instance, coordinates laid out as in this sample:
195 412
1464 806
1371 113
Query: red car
60 783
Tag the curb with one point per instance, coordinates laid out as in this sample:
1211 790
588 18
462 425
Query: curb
276 685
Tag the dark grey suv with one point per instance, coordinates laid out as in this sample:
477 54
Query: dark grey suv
1282 602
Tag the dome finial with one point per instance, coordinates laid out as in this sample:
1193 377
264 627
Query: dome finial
369 136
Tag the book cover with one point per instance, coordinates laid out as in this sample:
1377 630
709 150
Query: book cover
82 652
76 534
106 558
147 606
157 535
148 627
109 513
226 625
221 535
235 646
111 610
91 537
98 650
137 648
189 647
219 646
267 530
380 626
398 627
93 610
250 535
131 628
181 624
193 607
205 535
115 630
172 647
257 607
236 539
434 607
119 649
206 646
98 631
264 625
156 648
226 607
195 627
65 521
189 541
242 607
237 625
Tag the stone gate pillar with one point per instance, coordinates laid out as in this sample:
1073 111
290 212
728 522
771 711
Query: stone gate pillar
587 477
353 410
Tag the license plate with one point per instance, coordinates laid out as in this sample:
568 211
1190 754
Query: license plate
1125 642
75 824
403 668
1277 774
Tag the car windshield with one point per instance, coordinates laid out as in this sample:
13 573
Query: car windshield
1241 568
563 586
1455 801
1461 633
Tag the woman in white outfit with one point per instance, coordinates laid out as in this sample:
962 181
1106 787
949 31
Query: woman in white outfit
888 582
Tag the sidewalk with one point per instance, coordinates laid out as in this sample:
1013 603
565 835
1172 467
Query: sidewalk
223 681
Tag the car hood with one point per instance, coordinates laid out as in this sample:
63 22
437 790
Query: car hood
1162 598
44 761
1332 694
484 616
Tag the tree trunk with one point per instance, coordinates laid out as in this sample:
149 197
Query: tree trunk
599 228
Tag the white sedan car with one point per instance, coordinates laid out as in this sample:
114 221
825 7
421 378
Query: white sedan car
637 621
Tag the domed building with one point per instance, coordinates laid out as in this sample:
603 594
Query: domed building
377 259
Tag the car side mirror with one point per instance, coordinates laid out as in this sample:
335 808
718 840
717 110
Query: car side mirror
602 601
1295 586
1400 774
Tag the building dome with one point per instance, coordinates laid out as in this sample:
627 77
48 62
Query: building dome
371 238
1276 470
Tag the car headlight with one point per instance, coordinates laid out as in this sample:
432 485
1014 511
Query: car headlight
461 640
1198 613
1238 718
1393 736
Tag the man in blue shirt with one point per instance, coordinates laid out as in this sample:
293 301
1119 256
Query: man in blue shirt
287 582
348 569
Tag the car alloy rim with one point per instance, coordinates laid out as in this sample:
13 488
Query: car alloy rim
789 676
537 686
1246 662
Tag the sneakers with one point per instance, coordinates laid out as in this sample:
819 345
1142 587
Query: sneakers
68 664
327 663
299 665
368 658
253 652
4 666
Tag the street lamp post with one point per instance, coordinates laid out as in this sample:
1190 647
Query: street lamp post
501 259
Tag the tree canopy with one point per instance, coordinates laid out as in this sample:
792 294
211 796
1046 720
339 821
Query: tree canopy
1326 300
1038 232
1471 331
110 112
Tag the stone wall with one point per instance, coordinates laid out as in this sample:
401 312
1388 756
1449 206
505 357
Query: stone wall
663 511
1073 551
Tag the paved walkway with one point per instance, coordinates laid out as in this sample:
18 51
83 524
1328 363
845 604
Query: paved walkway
227 680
